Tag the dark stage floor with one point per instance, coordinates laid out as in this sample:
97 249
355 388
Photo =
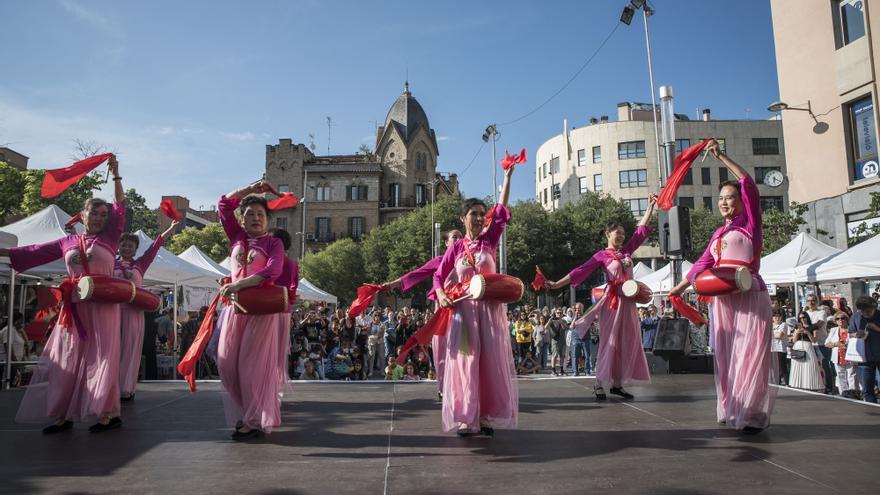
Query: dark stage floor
374 438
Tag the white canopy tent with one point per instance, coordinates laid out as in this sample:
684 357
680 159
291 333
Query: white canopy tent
660 281
169 269
307 291
858 262
226 263
640 271
797 261
195 256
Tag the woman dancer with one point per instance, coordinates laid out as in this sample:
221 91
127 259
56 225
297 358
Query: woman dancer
621 357
77 377
132 319
250 345
413 278
743 357
289 278
479 387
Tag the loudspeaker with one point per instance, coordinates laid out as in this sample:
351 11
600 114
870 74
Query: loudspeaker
673 338
675 230
692 364
656 364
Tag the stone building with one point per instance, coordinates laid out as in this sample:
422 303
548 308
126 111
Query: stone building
13 158
345 196
191 216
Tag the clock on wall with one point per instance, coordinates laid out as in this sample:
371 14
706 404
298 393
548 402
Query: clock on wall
774 178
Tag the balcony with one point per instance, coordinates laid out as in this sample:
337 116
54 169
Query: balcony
407 202
328 237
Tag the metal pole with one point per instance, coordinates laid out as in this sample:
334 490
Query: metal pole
176 334
302 249
494 164
8 373
433 239
653 98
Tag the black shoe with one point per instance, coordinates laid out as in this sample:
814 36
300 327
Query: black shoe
751 430
600 393
112 425
127 399
621 392
487 431
440 396
465 432
56 428
239 425
244 436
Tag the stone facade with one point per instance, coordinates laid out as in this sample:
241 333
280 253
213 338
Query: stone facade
349 195
13 158
191 217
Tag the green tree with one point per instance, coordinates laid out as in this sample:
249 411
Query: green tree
780 226
211 240
863 232
12 183
704 222
338 269
138 216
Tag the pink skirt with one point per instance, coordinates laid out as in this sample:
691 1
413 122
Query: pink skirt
249 361
75 379
479 379
744 365
621 361
131 347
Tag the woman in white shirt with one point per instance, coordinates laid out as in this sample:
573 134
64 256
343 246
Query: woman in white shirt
805 372
779 346
847 376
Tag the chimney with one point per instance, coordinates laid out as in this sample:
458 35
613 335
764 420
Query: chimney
593 121
707 115
603 119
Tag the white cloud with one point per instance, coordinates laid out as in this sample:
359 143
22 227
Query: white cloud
156 160
442 138
239 136
90 16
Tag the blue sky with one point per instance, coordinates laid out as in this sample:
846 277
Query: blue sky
189 93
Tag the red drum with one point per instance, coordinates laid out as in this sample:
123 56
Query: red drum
146 300
496 287
264 300
723 280
637 291
106 289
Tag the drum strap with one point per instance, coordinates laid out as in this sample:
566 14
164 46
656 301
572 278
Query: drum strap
83 254
614 285
470 255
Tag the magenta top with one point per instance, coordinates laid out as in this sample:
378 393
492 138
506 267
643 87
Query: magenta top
126 267
269 246
23 258
486 241
416 276
289 275
604 258
739 240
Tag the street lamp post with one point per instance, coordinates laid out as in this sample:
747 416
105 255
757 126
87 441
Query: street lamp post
626 18
302 251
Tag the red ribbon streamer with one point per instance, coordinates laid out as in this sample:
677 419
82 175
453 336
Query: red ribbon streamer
287 200
437 325
169 210
188 364
509 161
538 282
56 181
688 311
365 295
682 164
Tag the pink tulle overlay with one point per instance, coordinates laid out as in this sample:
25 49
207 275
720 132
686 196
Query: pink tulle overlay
131 348
621 360
744 366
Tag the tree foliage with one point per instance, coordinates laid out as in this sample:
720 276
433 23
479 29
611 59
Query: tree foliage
864 232
138 216
211 240
704 222
11 187
781 226
338 269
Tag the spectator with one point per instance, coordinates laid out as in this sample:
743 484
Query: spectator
432 374
528 365
393 371
847 373
779 345
300 366
805 372
843 306
558 329
310 373
865 324
524 330
374 353
165 329
542 338
820 332
410 374
19 339
357 372
580 346
649 327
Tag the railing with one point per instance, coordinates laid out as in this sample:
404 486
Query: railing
327 237
406 202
